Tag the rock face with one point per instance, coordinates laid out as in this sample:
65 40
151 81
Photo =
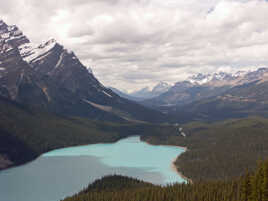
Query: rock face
14 71
50 77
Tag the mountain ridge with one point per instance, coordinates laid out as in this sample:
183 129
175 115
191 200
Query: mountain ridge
50 77
203 86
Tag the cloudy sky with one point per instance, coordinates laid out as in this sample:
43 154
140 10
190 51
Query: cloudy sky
130 44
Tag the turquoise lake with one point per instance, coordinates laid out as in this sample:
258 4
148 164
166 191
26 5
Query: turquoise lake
63 172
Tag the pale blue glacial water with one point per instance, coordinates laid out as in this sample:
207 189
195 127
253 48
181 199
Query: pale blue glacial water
63 172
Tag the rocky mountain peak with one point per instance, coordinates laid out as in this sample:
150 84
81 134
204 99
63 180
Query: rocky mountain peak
147 92
240 73
161 87
48 76
11 35
31 52
216 78
200 78
3 25
47 44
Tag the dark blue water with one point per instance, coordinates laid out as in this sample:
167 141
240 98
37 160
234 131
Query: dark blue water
64 172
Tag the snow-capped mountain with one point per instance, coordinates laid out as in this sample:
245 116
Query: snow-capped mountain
202 86
11 35
224 79
36 54
220 78
240 73
50 77
146 92
249 97
200 78
160 88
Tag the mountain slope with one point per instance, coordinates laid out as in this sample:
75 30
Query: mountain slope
183 93
50 77
237 102
26 133
216 97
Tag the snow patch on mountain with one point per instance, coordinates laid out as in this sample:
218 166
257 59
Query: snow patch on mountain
228 79
89 70
147 93
60 60
10 35
161 87
200 78
31 52
219 77
240 73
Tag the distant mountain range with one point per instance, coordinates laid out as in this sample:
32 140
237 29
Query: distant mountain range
209 96
202 86
144 93
50 77
216 96
125 95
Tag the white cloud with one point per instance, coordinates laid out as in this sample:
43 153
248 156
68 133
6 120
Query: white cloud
130 44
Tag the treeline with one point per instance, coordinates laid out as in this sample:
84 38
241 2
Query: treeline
250 187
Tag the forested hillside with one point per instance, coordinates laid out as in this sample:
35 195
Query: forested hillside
219 150
27 133
250 187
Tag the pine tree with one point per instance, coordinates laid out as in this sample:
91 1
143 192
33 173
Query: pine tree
265 182
246 187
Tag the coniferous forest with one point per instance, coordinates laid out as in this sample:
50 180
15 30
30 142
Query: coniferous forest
252 186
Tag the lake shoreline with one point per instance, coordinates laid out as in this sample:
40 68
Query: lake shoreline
173 166
36 156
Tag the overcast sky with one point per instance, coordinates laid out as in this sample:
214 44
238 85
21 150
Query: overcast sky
130 44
